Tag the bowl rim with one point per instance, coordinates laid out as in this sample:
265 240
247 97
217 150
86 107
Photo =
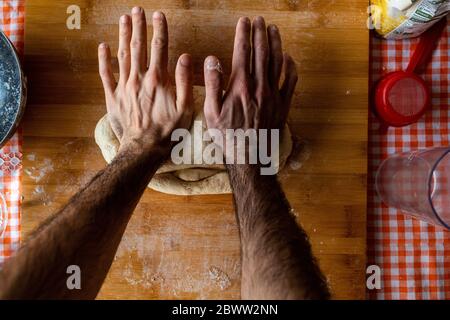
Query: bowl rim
23 90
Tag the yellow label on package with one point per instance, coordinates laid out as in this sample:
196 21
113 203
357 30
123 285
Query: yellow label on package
398 19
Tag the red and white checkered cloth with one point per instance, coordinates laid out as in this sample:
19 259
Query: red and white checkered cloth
414 256
12 24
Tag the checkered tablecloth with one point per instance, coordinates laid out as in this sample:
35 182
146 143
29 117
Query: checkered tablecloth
12 24
414 257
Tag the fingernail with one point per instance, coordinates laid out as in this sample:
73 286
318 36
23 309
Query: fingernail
123 19
157 15
103 45
259 19
136 10
245 20
273 28
185 60
213 64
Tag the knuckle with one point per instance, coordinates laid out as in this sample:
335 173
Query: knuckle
243 46
210 115
103 75
262 49
159 43
103 71
123 32
213 83
241 84
263 95
182 80
123 54
133 85
245 97
136 44
153 76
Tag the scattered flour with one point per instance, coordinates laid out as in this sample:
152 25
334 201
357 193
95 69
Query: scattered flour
152 260
40 194
31 156
37 173
220 278
66 182
295 213
38 190
300 154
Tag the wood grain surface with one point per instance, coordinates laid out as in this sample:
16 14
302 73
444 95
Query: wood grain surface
188 246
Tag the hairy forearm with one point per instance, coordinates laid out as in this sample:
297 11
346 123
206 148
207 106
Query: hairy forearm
86 232
277 262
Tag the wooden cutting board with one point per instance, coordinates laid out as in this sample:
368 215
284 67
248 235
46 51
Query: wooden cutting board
188 247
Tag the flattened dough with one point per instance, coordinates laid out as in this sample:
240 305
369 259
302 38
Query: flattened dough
184 179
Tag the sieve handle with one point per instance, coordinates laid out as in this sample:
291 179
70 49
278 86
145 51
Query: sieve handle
426 46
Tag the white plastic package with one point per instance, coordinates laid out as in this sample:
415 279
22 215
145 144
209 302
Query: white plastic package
398 19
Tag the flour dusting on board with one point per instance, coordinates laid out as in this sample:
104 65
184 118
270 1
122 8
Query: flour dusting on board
73 60
40 194
52 179
38 172
219 277
301 152
98 12
295 213
153 262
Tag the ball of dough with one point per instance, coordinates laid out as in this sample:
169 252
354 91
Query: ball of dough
185 179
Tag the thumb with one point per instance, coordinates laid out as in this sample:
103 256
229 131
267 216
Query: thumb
290 79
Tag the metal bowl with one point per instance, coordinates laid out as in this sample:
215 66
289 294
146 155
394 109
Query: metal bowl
13 90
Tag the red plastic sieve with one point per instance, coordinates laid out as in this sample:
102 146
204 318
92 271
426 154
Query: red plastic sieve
402 97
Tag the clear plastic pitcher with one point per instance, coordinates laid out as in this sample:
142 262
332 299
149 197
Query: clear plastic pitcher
418 183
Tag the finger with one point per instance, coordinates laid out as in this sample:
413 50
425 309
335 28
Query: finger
242 48
276 55
138 41
184 82
213 86
105 68
260 59
160 42
290 79
123 54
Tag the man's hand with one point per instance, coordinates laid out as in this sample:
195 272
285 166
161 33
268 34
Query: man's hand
254 99
87 231
277 262
142 106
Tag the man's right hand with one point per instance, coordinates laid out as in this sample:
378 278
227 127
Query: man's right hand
277 262
254 99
